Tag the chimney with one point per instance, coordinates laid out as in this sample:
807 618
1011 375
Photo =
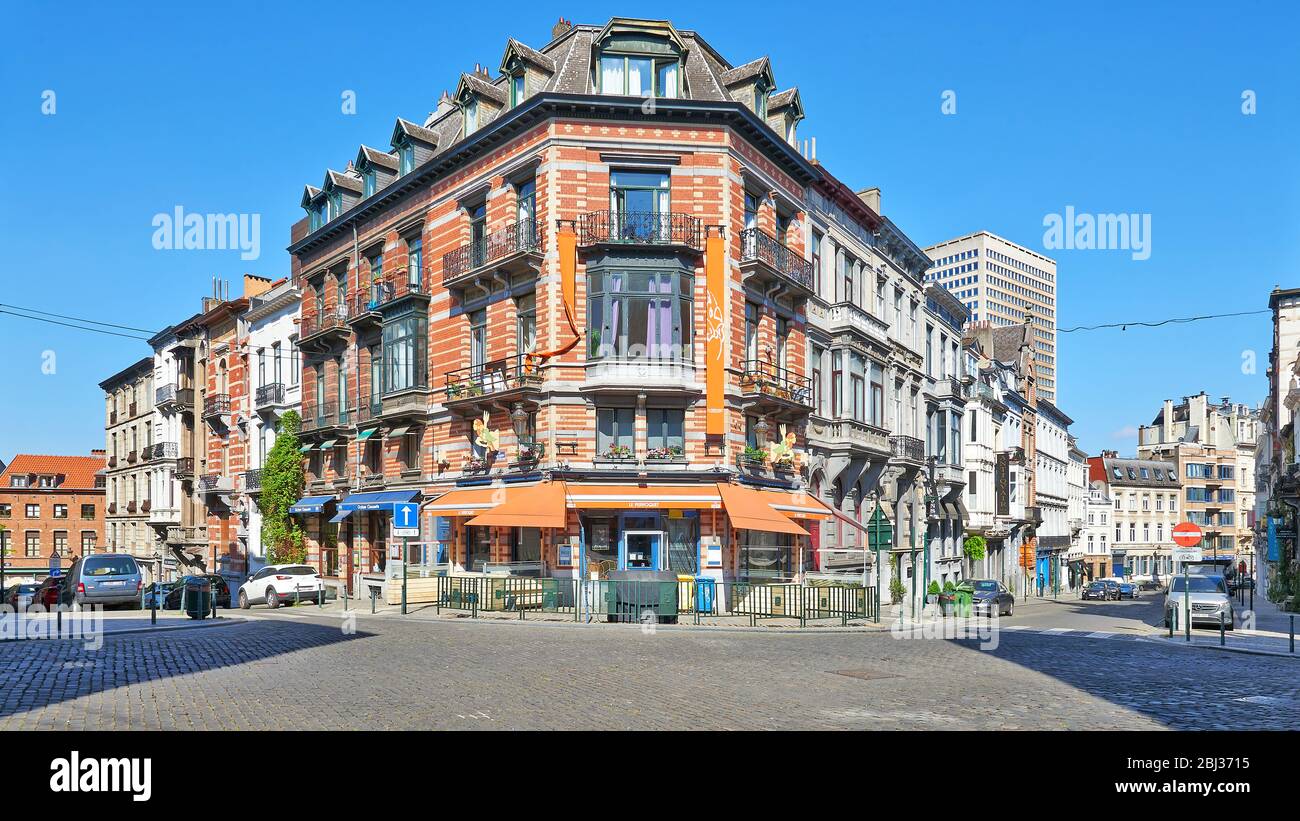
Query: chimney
871 196
560 28
1167 422
96 452
255 285
444 105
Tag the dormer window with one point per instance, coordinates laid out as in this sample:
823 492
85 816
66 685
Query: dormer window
639 76
405 158
335 200
517 88
470 111
760 100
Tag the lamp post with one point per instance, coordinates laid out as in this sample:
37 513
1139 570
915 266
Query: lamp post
931 511
519 421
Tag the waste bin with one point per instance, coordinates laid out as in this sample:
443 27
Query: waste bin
198 597
632 594
962 600
706 591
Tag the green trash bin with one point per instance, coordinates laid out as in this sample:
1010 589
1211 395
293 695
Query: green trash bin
962 601
197 597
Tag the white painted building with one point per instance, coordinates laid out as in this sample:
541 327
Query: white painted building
275 381
1096 532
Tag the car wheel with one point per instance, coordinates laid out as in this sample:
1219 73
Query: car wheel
243 600
1011 608
272 598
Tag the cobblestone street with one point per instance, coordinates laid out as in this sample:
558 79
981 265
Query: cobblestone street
303 672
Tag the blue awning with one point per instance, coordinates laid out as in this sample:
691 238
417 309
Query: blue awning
310 504
340 516
380 500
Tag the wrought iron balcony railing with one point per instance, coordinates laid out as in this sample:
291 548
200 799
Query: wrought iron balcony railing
217 404
323 322
272 394
640 228
762 247
521 237
185 467
253 480
492 378
768 379
171 396
326 415
394 287
908 448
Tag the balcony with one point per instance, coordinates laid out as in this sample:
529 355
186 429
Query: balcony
324 418
132 507
185 467
216 406
112 508
371 411
269 396
216 483
163 516
170 398
765 261
395 290
848 318
503 380
146 453
178 536
640 228
325 329
112 461
949 474
947 387
514 249
253 481
410 403
908 449
363 312
131 458
852 434
770 389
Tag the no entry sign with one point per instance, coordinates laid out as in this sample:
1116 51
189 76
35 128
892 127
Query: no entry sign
1187 534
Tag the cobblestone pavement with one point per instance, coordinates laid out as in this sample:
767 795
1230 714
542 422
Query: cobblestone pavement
305 673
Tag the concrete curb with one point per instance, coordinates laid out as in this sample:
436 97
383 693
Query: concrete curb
197 624
1251 651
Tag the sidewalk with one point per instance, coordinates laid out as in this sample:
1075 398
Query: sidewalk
31 626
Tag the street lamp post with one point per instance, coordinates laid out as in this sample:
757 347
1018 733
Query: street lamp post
931 511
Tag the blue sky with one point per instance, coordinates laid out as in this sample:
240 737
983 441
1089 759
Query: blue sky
231 108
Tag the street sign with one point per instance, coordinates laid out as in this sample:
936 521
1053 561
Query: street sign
406 519
1187 534
1187 554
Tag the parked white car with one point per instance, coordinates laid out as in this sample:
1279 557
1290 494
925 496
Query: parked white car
276 584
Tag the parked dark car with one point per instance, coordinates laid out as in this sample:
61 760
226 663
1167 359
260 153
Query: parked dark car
220 591
15 594
1127 590
1240 582
52 592
988 596
1112 588
155 591
1096 591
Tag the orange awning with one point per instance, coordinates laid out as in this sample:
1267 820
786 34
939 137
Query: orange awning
797 504
644 497
530 506
467 501
750 509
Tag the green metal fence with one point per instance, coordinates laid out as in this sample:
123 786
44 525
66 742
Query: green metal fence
664 601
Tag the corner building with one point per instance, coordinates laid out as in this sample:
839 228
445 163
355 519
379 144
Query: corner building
566 313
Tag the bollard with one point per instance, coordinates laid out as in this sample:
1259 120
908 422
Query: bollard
373 594
1292 619
1170 620
1221 633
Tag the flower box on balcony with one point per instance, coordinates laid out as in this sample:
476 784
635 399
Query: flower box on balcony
668 454
617 453
754 456
474 465
531 453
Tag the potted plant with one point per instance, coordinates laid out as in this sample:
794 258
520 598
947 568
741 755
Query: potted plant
896 590
665 453
932 593
754 456
455 389
474 465
532 451
617 452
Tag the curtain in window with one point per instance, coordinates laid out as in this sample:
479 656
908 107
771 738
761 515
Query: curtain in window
638 76
668 79
611 75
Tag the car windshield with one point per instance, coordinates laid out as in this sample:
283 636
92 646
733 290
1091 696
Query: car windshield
1097 585
1197 584
986 585
109 566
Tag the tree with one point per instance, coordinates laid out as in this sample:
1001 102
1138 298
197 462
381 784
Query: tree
974 548
282 484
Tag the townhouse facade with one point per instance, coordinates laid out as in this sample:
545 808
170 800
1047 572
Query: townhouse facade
945 405
1096 558
1145 495
1052 497
1213 446
275 380
177 512
1277 470
865 440
128 435
50 505
1078 487
570 322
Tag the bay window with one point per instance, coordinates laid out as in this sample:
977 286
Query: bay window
640 315
404 353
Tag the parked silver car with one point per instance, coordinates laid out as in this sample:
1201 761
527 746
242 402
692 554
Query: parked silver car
106 578
1207 595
